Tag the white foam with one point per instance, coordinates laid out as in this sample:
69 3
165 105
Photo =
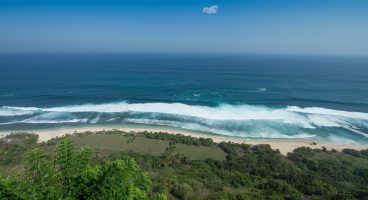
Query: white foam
50 121
292 116
323 121
341 140
8 111
325 111
11 122
265 133
96 119
29 121
113 119
355 130
51 118
223 112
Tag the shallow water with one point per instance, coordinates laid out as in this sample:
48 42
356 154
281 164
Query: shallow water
317 97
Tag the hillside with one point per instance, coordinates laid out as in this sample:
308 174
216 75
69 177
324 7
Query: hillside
157 165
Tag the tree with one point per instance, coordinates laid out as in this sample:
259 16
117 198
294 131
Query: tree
7 189
73 175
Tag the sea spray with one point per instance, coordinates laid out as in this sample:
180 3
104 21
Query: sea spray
248 121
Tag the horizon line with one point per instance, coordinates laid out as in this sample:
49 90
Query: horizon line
185 52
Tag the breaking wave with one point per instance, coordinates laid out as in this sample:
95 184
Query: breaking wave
231 120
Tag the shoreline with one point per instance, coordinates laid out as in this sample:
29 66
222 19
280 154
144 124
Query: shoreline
283 145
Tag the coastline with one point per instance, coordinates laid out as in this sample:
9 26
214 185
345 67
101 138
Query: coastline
283 145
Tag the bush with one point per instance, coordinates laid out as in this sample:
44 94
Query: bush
352 152
73 175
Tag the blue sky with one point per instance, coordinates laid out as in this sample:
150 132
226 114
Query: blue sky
238 26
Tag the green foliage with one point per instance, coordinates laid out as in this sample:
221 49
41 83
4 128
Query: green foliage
249 172
109 143
7 189
179 138
12 154
22 138
170 158
73 175
353 152
112 180
14 146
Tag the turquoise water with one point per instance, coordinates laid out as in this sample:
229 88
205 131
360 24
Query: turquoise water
252 96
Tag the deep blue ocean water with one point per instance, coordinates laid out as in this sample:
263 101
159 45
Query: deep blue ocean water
251 96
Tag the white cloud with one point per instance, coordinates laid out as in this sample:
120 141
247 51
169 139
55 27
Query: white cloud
211 10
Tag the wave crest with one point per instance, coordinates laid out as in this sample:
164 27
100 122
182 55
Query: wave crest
231 120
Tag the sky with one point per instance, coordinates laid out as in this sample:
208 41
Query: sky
213 26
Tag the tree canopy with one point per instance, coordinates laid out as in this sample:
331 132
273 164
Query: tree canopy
71 174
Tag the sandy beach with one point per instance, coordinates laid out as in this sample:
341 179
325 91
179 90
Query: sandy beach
283 145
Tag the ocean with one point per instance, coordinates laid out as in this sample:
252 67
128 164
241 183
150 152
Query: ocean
319 98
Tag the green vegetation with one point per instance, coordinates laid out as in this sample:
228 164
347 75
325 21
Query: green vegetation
145 165
73 175
108 143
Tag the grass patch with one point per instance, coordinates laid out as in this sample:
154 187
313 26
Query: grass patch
341 158
108 143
